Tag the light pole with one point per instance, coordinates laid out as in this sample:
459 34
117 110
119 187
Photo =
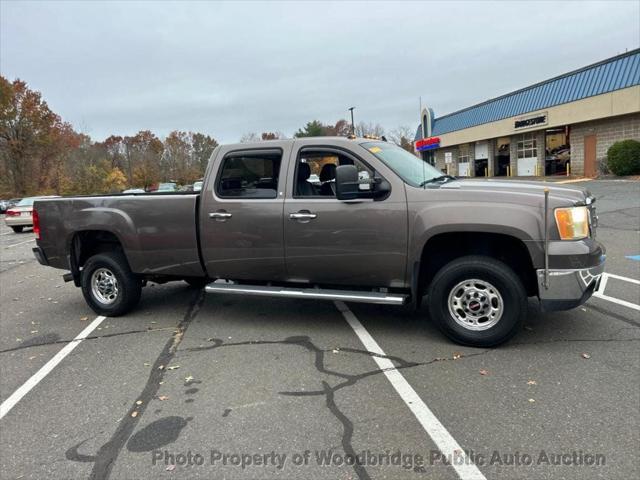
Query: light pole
353 125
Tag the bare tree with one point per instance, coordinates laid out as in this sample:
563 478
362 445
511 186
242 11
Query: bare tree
249 137
403 137
375 130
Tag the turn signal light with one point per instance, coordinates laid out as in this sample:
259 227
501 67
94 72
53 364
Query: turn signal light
573 223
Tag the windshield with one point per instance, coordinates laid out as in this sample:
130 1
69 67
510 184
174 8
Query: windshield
410 168
25 202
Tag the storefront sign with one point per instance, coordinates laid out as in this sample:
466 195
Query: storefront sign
531 121
448 157
428 143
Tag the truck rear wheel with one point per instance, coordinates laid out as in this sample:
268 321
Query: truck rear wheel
109 286
477 301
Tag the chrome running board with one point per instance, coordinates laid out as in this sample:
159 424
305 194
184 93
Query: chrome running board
311 293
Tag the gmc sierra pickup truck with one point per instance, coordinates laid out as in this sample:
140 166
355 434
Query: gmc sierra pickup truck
347 219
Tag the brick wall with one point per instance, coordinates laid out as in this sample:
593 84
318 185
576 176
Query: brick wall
607 132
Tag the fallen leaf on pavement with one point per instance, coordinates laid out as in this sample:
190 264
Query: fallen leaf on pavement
147 364
531 400
173 367
161 367
188 379
134 414
170 468
484 372
162 398
586 355
457 355
84 319
139 402
532 382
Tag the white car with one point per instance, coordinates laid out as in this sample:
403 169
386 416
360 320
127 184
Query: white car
20 215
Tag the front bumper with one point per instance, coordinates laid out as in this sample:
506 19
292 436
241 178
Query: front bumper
568 288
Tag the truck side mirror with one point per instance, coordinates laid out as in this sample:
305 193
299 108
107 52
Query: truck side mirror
346 182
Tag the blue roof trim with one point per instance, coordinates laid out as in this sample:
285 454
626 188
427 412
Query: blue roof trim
616 73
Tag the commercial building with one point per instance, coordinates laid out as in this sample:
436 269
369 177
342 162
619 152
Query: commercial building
566 122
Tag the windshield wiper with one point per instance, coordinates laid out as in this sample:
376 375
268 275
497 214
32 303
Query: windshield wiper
441 178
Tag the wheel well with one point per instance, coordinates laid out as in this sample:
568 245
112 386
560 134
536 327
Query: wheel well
91 242
443 248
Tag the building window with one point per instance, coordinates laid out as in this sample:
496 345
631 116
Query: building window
463 155
526 146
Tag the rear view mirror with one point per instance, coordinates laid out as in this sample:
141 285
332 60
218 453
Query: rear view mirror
346 182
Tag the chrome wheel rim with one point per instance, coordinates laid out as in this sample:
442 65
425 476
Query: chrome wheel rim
475 304
104 286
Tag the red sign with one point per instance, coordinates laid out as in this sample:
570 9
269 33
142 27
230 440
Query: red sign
428 143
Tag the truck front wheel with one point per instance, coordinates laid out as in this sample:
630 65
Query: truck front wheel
477 301
109 286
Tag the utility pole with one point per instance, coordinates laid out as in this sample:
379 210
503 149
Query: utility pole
353 125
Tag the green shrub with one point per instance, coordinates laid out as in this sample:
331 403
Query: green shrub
623 158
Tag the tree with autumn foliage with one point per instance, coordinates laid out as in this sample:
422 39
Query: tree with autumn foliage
34 142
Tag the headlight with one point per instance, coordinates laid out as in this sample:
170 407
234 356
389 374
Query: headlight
573 222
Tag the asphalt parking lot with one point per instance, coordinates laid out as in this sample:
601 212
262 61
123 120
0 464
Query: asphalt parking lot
203 386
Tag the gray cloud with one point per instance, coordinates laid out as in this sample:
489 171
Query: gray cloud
229 68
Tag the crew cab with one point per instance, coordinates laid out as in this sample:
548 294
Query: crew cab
380 225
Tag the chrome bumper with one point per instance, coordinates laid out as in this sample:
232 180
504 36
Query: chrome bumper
568 288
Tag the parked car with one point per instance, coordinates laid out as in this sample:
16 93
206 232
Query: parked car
197 186
476 249
134 190
167 187
7 204
20 215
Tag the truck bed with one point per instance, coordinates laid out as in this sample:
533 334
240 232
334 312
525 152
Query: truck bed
157 231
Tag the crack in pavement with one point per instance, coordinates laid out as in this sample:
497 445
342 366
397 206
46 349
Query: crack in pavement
328 391
91 337
103 461
107 454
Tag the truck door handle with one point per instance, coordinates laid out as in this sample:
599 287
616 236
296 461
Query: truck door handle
220 215
302 215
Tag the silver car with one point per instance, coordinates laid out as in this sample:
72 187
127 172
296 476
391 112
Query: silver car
20 215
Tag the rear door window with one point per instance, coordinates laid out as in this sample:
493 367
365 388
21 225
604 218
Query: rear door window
249 175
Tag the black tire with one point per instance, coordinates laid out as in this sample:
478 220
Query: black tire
489 272
129 286
196 282
18 229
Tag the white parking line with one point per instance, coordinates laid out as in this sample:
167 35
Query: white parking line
438 433
21 243
603 285
16 396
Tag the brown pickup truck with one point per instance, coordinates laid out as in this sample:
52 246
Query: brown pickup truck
339 219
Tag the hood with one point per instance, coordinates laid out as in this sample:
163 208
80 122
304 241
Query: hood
518 188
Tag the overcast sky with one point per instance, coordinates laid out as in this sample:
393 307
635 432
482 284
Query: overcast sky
229 68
